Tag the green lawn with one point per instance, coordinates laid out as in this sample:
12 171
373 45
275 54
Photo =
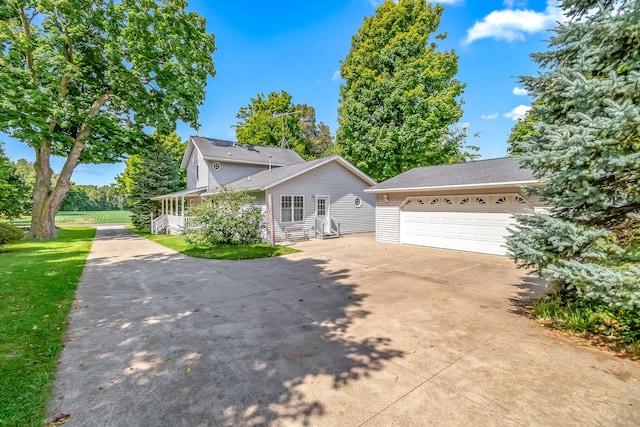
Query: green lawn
38 280
231 252
84 217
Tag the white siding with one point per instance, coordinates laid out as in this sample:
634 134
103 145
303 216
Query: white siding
387 224
341 186
388 218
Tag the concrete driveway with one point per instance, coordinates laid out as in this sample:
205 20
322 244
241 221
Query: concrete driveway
347 332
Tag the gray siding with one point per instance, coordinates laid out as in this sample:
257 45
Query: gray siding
230 172
196 171
341 186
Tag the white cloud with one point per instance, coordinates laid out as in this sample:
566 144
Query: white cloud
518 113
336 76
518 91
514 24
489 116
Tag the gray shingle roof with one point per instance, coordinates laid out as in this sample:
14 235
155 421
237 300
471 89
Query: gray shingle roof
229 151
491 171
268 178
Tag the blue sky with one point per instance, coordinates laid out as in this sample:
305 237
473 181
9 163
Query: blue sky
297 46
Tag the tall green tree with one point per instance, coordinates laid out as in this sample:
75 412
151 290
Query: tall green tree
586 147
154 172
14 191
135 163
399 96
266 120
81 79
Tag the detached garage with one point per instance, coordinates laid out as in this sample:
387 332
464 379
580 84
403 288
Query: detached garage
463 206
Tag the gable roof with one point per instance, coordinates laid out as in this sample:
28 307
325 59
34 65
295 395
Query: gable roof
479 173
229 151
269 178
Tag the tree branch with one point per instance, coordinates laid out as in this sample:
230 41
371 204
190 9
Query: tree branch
73 158
27 32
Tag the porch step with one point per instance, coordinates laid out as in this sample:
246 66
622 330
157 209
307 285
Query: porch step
331 236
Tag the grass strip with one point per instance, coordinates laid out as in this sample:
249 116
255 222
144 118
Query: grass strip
38 280
226 252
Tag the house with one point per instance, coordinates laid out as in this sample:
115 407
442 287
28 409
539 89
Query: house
321 198
462 206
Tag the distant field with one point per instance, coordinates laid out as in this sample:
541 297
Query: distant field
85 217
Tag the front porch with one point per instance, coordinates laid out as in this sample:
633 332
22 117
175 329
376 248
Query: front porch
172 218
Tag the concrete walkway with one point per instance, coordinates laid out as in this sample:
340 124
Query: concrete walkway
348 332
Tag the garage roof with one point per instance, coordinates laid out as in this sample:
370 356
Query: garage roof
479 173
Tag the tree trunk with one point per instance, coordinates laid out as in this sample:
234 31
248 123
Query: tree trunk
42 224
46 201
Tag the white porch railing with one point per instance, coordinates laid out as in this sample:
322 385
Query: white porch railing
165 223
159 225
321 230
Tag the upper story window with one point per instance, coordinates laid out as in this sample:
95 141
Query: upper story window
292 208
216 166
197 173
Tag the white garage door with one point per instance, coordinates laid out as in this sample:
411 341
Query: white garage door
475 223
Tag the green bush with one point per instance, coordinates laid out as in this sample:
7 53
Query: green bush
576 315
226 218
10 234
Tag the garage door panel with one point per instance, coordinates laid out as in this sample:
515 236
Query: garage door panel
468 231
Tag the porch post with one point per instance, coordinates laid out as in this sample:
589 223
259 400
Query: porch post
182 207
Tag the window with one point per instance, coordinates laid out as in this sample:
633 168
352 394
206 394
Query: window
292 208
197 173
358 202
216 166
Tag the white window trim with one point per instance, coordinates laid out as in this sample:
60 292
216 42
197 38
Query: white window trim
293 196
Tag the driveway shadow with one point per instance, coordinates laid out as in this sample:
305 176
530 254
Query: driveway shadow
165 339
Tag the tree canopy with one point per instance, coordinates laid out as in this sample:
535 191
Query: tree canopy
266 119
14 190
82 79
585 146
399 96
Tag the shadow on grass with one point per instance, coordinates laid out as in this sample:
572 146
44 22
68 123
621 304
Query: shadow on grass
169 340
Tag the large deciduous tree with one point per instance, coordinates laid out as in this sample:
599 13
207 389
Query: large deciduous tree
585 145
399 96
81 79
266 120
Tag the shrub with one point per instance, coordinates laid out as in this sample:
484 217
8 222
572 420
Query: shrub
10 234
226 218
577 315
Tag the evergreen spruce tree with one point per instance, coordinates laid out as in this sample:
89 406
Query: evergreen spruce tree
155 172
586 148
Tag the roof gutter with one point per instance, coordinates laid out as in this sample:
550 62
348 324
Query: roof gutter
534 183
228 160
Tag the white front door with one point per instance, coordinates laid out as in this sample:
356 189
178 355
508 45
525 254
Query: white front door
322 211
